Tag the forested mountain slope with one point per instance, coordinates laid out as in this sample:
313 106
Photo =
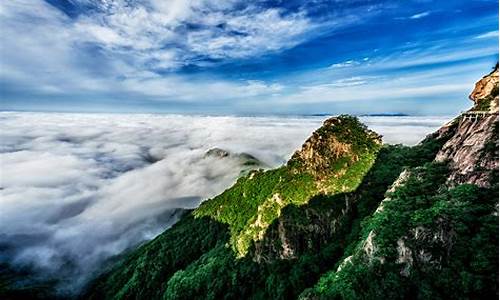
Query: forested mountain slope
345 218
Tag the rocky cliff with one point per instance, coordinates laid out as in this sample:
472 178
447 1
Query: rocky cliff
485 93
472 151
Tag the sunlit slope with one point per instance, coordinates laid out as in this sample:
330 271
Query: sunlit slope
333 160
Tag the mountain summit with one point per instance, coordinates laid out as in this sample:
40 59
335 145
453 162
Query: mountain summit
333 160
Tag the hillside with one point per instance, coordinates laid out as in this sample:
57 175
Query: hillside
333 160
345 218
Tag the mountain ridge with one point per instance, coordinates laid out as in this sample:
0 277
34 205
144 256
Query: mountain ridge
410 217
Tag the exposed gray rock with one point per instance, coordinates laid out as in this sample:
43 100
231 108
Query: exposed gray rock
245 159
472 151
217 152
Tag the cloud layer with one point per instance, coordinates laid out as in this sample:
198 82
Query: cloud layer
77 189
80 188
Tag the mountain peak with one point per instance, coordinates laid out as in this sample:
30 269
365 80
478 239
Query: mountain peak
341 140
333 160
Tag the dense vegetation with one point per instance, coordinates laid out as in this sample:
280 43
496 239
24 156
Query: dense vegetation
145 271
220 275
452 234
194 267
256 200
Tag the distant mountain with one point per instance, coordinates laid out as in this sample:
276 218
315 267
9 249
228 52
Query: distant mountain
388 114
345 218
385 115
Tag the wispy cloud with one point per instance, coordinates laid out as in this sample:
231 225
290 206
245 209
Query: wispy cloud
344 82
415 16
180 52
486 35
175 33
420 15
349 63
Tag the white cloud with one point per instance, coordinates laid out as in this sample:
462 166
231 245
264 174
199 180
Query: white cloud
347 82
122 49
347 63
249 33
486 35
415 16
83 188
420 15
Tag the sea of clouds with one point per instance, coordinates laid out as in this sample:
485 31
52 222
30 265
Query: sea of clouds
77 189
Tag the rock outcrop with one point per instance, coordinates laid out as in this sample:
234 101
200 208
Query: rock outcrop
302 229
247 161
473 148
485 93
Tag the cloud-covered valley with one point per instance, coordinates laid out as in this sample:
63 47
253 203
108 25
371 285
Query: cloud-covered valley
77 189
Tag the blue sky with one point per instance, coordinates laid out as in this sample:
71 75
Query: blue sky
245 57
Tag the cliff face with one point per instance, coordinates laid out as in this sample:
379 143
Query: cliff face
485 93
472 151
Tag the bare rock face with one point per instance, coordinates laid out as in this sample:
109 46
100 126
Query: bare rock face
414 248
300 230
485 93
472 151
311 153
